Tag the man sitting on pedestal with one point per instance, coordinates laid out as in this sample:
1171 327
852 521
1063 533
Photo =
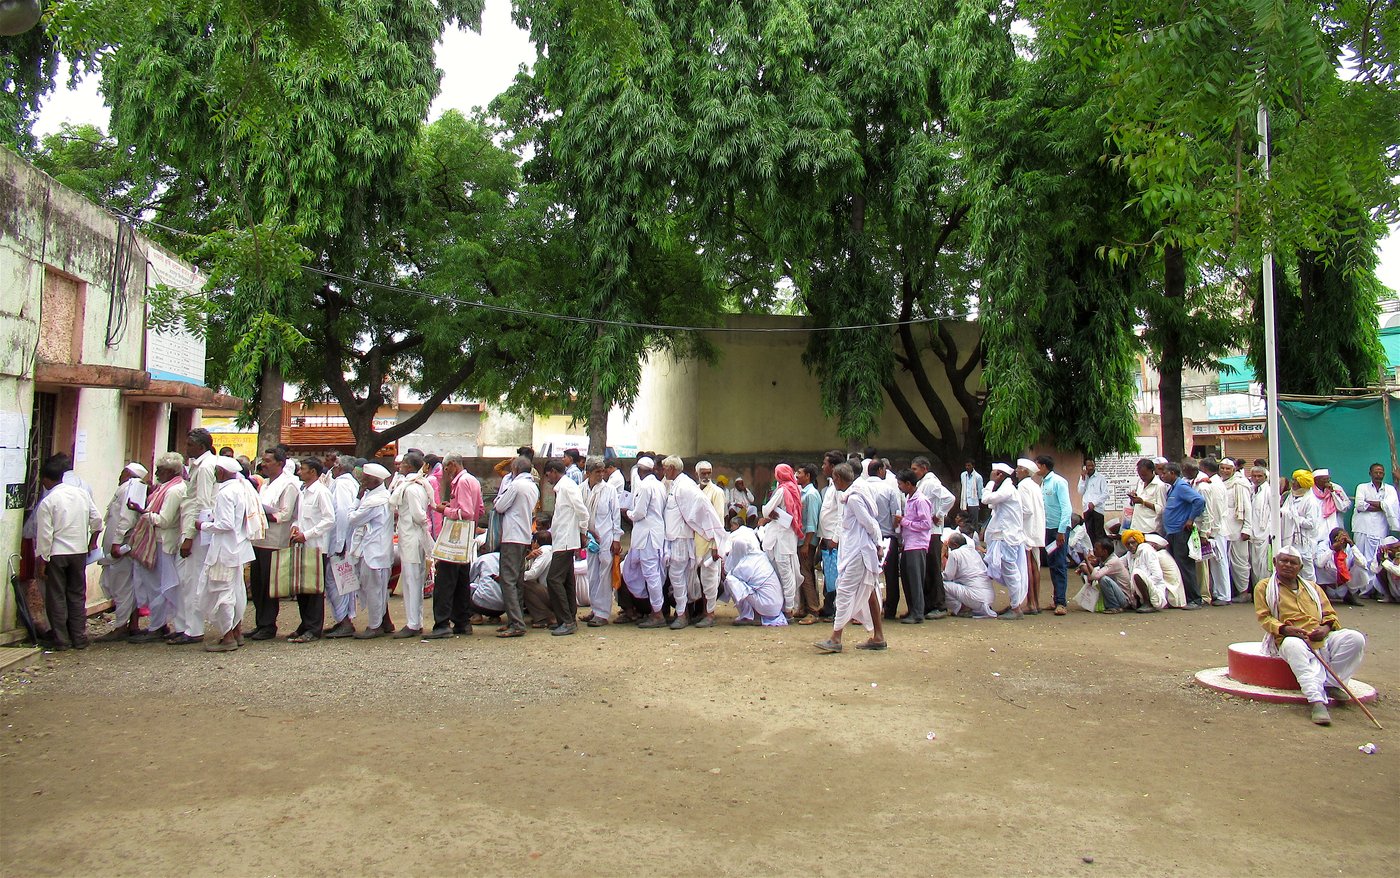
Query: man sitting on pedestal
1302 626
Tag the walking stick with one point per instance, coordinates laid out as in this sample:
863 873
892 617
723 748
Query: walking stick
1345 688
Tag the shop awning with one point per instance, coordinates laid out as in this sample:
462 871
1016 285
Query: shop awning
185 394
89 375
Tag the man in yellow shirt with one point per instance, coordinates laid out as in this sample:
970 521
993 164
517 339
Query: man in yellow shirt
1300 625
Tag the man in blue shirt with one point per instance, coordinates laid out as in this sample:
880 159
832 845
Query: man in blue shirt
1184 504
809 592
1055 491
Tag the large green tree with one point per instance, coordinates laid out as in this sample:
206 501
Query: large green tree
1184 83
301 152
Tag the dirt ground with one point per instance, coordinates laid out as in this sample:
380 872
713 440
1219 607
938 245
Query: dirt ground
701 752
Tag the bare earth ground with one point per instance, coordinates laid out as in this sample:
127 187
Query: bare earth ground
715 753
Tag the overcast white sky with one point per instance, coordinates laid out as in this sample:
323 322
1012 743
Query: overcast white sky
476 68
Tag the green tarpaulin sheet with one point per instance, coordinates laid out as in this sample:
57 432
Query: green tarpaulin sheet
1345 437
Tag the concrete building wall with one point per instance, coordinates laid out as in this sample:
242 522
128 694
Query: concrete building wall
445 432
73 328
758 396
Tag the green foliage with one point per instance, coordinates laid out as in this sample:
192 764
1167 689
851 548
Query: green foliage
1326 314
28 72
1058 319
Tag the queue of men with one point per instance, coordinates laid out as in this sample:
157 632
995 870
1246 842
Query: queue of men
841 543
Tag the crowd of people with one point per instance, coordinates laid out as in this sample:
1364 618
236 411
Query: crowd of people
848 540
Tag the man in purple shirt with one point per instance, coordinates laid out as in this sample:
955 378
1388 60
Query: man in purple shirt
915 526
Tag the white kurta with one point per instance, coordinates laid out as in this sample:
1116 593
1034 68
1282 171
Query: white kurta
1032 512
966 584
230 547
858 566
1302 525
752 582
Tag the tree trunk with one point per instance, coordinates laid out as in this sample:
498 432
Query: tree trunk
598 409
269 414
1169 368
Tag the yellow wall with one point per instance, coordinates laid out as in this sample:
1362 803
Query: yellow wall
759 396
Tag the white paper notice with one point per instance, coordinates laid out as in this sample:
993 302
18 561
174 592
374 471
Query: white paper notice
11 465
780 515
137 493
80 447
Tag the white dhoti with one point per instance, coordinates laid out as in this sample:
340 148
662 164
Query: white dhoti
1219 570
649 577
163 588
957 595
680 563
118 581
1259 567
1362 580
600 591
374 591
706 583
1343 650
1240 555
223 588
765 603
342 603
1156 591
789 574
1006 564
411 578
855 583
189 599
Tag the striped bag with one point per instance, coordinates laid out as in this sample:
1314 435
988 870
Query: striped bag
296 570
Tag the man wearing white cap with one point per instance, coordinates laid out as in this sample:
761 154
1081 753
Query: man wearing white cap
235 521
1234 502
1261 527
199 498
1006 538
371 527
1377 513
118 575
409 499
1033 525
708 574
686 515
1301 625
649 536
1332 499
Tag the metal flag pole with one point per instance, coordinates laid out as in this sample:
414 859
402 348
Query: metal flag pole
1270 339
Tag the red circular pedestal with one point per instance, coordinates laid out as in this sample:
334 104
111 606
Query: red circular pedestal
1249 664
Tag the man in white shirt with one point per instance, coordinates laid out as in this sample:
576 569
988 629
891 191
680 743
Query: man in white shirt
118 570
1148 498
567 532
888 505
409 500
965 583
1235 498
1261 527
67 528
970 493
1006 538
857 595
345 491
1093 494
278 499
371 527
229 531
313 529
1033 526
708 575
649 536
199 498
1376 514
606 531
941 501
685 514
1217 565
1332 500
168 515
516 504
